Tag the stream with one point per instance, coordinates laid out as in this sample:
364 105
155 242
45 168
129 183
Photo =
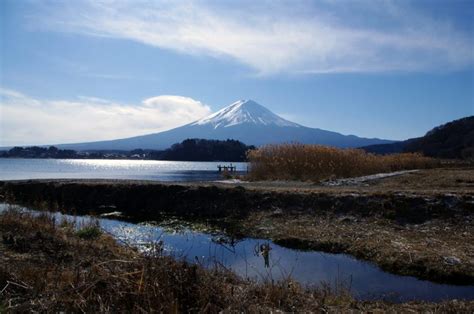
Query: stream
259 259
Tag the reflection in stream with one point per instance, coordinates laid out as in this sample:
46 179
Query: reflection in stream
259 259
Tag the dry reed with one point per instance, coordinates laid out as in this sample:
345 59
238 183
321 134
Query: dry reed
315 163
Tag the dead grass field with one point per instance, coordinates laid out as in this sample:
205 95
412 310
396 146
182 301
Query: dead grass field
47 267
424 181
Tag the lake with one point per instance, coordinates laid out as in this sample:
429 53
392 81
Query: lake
156 170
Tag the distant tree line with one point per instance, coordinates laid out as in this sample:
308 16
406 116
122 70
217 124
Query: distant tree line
187 150
39 152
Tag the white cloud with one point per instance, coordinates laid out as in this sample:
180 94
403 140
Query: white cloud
25 120
276 37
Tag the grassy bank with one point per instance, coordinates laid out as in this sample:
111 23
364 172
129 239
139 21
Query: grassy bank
48 265
315 163
437 250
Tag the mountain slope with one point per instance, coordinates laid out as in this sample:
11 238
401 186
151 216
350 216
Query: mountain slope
244 120
451 140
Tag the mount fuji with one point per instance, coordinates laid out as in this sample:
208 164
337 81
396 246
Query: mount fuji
244 120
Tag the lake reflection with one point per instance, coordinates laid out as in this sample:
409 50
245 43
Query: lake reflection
159 170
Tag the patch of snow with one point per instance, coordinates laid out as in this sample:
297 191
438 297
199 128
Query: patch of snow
231 181
241 112
364 179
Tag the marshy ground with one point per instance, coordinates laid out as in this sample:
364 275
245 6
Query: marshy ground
438 246
419 223
49 266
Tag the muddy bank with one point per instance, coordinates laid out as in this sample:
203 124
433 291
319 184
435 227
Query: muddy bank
427 235
143 200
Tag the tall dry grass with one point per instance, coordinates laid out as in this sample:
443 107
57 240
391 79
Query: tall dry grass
315 162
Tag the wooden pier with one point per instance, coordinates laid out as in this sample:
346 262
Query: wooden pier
230 168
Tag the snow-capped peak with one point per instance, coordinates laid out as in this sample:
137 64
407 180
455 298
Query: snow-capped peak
244 112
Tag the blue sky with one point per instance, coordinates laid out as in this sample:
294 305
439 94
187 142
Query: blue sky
90 70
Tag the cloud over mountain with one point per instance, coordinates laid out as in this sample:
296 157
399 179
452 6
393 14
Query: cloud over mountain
26 120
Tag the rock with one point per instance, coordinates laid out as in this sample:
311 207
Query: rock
451 260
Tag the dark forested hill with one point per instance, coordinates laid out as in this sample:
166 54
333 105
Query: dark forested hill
451 140
207 150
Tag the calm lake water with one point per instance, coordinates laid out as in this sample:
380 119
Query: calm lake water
20 169
365 280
